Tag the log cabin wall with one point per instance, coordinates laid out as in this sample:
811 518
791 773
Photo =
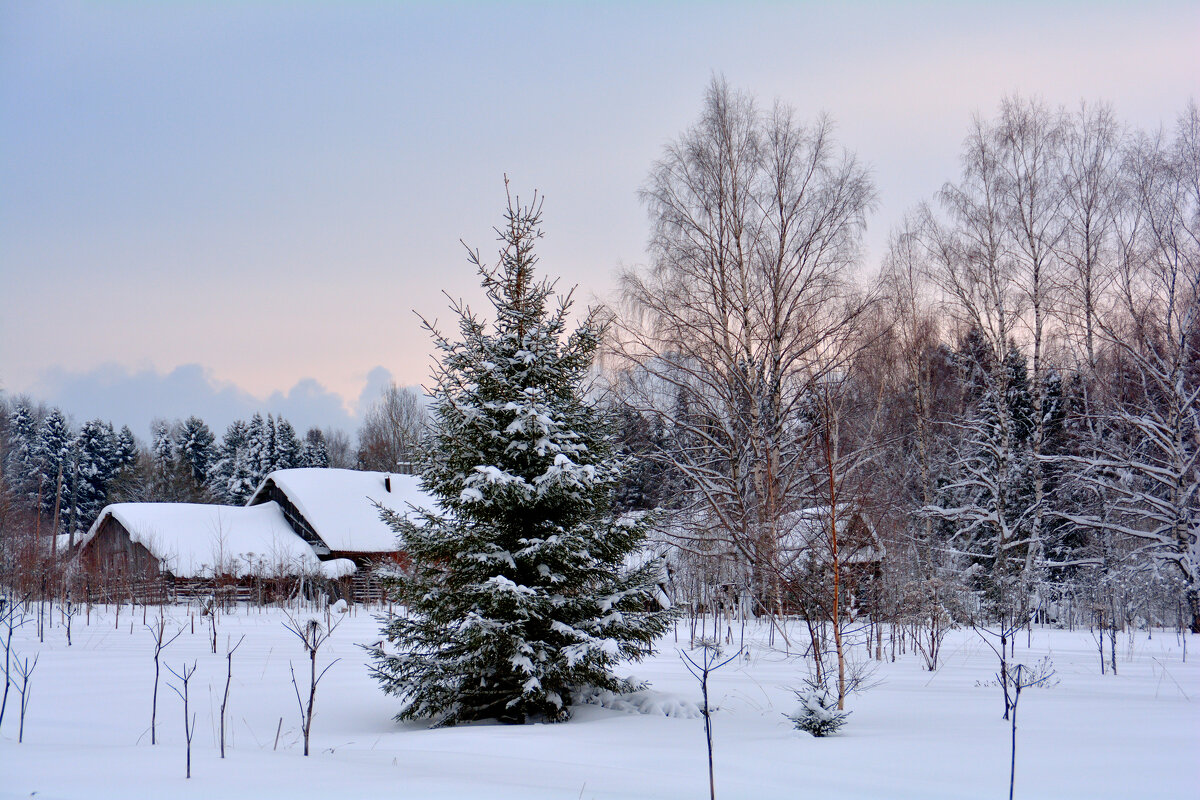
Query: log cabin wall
113 551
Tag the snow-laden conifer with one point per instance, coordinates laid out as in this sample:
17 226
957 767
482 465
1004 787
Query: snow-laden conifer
229 476
20 456
54 453
518 594
988 504
256 454
269 454
288 449
315 451
817 711
195 447
127 449
97 462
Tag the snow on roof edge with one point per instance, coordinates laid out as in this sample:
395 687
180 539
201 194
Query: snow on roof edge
240 541
340 506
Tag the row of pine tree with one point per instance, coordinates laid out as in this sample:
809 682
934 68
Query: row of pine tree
66 476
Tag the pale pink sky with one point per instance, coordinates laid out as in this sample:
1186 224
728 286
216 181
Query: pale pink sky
220 206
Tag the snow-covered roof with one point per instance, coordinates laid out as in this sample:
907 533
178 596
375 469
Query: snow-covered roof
339 504
194 540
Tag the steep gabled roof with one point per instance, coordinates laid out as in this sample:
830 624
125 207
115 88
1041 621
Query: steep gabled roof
193 540
338 505
804 534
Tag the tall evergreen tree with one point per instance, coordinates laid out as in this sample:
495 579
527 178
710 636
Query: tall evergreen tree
315 452
21 464
269 455
244 478
97 461
53 453
288 450
128 484
518 595
162 452
227 473
256 457
651 481
988 503
127 449
195 447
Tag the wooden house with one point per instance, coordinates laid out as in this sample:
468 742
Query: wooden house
338 513
806 549
161 550
707 571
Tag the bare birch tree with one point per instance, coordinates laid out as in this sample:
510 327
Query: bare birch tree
1030 138
969 260
391 430
312 635
757 223
1147 469
1090 207
1094 214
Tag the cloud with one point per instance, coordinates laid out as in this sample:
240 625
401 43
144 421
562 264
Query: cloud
378 379
308 404
135 397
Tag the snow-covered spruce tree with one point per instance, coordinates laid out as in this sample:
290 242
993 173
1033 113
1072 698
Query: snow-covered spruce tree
817 712
517 595
127 449
315 451
229 475
54 452
288 448
988 502
96 464
162 452
195 448
20 455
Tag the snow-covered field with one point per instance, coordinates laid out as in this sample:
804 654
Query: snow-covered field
915 734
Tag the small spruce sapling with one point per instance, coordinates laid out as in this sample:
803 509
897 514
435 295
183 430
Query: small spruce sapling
818 712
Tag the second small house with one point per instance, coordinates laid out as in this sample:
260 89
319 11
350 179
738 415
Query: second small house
337 512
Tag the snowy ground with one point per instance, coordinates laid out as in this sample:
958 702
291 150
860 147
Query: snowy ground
915 734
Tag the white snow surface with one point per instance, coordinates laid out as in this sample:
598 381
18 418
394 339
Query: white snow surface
195 540
916 734
338 568
340 504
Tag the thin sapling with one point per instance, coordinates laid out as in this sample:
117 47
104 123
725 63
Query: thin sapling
184 676
312 634
709 662
161 642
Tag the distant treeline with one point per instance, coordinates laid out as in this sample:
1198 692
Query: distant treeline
55 476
